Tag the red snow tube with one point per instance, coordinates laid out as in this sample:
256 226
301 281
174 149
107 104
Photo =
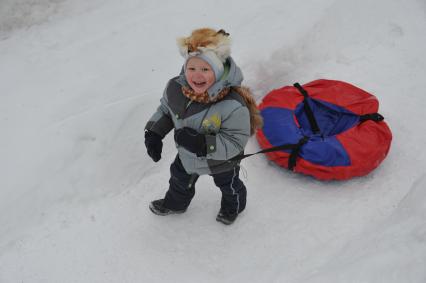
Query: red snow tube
336 126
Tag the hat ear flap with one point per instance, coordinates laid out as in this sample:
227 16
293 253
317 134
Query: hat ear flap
222 48
183 46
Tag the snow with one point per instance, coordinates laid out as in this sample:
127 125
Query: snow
78 82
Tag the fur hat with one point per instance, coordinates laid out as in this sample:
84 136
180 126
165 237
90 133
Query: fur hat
212 46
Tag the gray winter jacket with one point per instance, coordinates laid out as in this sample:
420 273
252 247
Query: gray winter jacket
226 123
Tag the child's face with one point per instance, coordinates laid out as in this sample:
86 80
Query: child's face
199 75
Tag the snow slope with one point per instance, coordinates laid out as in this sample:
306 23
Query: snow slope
78 82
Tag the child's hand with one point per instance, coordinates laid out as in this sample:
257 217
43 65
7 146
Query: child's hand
154 145
191 140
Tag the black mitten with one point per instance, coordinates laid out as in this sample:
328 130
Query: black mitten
154 145
191 140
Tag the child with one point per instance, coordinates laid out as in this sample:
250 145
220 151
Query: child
213 117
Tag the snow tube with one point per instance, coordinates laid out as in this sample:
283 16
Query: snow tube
333 127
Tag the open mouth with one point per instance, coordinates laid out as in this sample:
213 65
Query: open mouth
199 84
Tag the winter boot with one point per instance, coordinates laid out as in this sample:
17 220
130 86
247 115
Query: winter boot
225 217
157 207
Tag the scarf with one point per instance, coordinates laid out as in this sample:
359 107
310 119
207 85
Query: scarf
203 97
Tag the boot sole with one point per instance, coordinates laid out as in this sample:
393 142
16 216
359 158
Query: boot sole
157 212
224 221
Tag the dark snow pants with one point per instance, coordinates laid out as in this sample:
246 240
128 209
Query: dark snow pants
182 189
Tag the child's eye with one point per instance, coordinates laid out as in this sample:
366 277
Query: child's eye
205 69
191 68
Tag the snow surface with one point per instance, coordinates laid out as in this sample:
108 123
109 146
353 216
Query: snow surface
78 81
